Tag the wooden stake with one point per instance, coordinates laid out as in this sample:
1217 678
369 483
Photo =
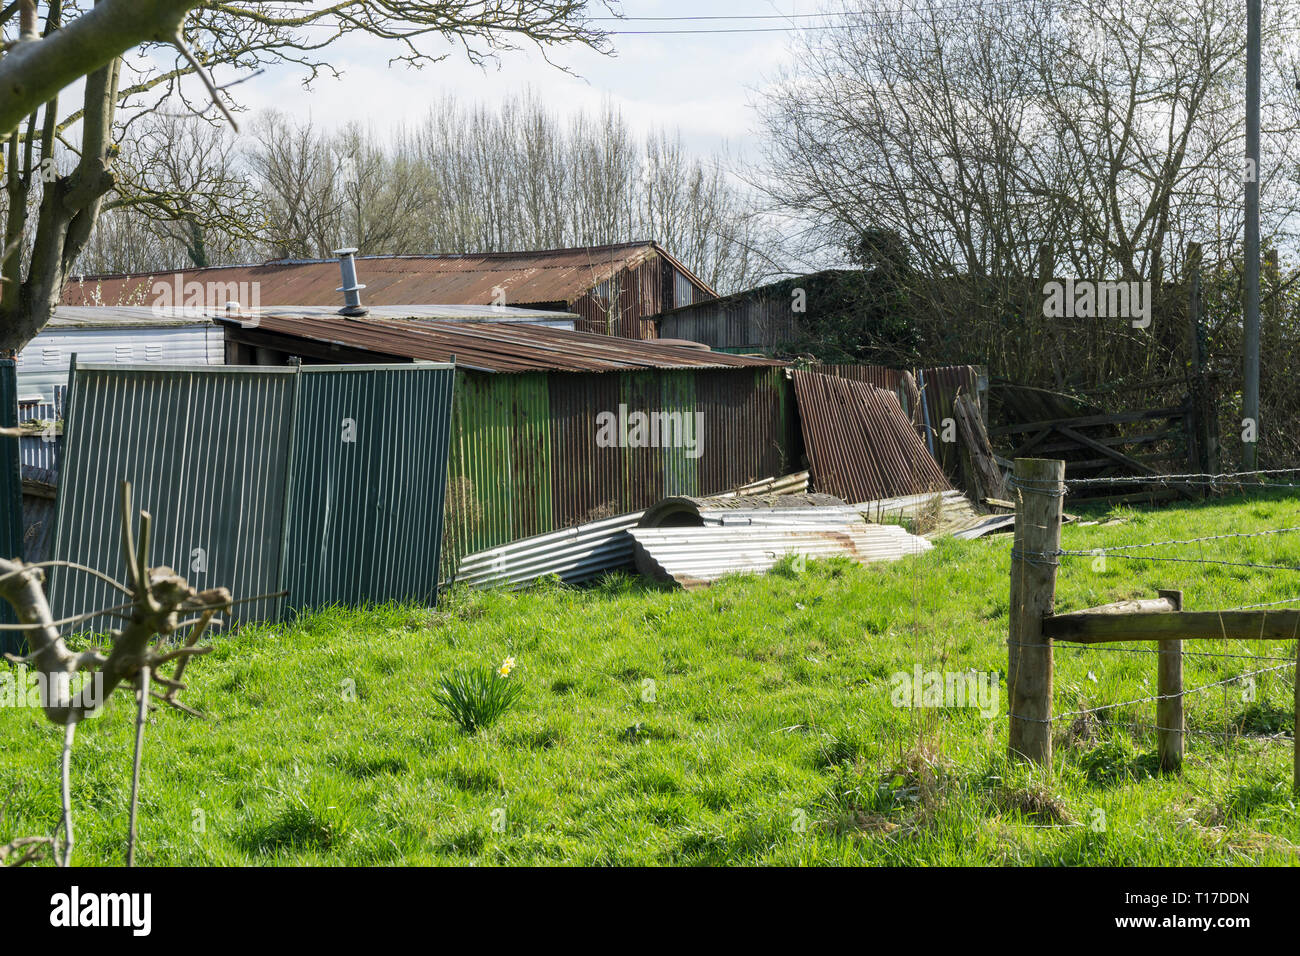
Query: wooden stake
1038 486
1169 708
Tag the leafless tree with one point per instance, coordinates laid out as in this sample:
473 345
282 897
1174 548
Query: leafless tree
1009 141
175 44
477 179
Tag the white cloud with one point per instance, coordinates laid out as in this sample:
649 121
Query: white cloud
699 84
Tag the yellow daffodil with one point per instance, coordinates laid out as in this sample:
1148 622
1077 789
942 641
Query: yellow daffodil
507 666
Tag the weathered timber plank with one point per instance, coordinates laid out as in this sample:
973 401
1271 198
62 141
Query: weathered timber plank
1119 418
1086 627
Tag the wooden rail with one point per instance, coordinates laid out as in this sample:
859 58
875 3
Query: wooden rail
1039 487
1096 626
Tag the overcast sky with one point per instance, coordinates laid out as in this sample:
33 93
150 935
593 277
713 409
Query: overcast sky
700 83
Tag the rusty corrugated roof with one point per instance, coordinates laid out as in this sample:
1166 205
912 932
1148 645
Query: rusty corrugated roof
539 277
493 347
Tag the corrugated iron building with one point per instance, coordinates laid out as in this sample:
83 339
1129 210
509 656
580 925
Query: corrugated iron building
614 289
770 319
527 414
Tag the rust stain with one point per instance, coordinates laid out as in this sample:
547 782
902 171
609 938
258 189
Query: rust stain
860 443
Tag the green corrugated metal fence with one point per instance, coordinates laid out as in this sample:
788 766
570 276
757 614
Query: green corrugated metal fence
368 478
525 460
326 481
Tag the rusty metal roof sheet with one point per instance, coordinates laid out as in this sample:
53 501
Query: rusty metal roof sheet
492 347
860 443
543 276
143 316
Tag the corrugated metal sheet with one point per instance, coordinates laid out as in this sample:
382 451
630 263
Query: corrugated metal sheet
735 323
206 451
486 347
11 494
584 552
694 557
901 383
525 458
575 555
860 443
244 473
685 511
939 390
543 277
368 476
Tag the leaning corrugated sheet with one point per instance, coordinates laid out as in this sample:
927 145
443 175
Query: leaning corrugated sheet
939 390
206 452
323 481
694 557
901 383
860 444
367 479
927 399
11 493
584 552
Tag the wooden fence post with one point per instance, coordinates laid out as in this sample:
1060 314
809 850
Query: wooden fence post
1039 487
1169 708
1204 440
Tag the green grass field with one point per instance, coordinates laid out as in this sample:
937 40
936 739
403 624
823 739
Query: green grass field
771 737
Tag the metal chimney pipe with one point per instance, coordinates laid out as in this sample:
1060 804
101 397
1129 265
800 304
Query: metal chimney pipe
350 288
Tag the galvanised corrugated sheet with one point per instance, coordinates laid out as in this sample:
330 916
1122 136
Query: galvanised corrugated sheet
253 483
11 494
367 480
939 389
525 458
206 452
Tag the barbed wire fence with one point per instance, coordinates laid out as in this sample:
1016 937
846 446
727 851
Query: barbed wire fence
1036 559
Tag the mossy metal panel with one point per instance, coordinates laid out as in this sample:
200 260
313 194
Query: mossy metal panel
368 479
499 475
206 452
526 459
